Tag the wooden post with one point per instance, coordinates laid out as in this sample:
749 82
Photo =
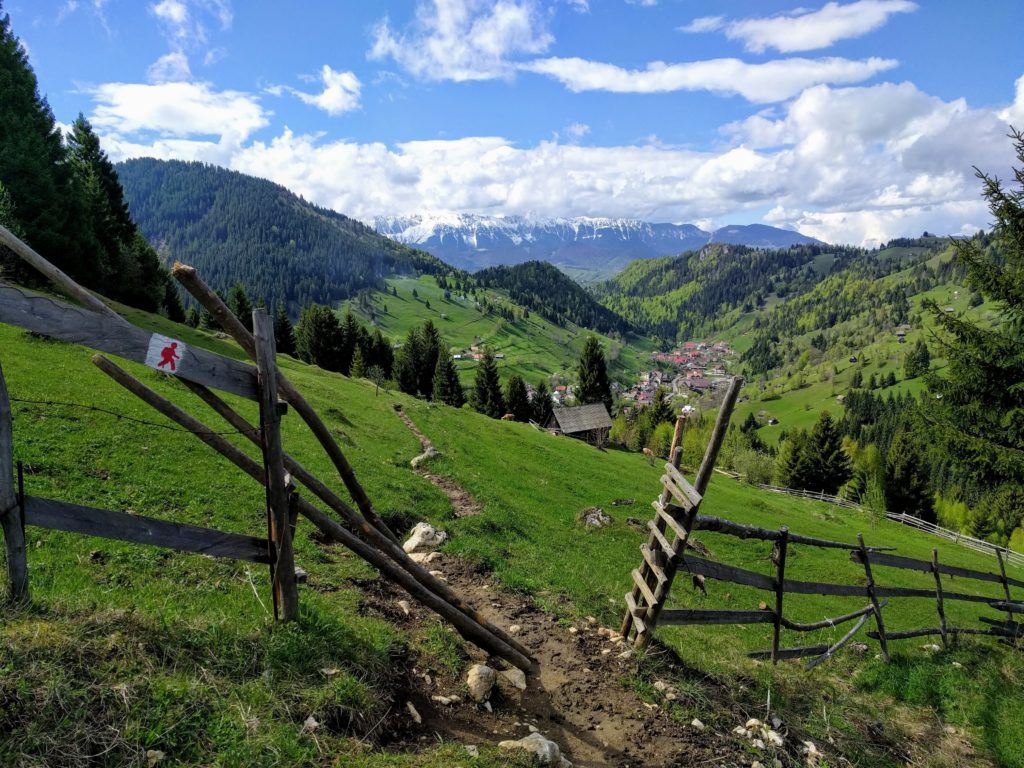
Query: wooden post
779 556
278 507
873 598
938 597
1002 577
10 512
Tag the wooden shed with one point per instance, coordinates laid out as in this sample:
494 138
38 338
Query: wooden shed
584 422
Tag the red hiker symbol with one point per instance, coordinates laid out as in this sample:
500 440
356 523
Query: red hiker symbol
168 356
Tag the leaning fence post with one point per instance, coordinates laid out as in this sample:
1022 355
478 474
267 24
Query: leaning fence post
10 511
1005 581
873 597
938 597
779 556
278 506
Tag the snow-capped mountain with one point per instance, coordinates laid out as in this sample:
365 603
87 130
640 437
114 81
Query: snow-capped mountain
594 245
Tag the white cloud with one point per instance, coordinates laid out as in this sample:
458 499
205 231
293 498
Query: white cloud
704 24
340 94
464 40
854 164
762 83
171 67
577 130
807 30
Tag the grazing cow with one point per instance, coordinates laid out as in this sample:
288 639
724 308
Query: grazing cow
650 456
508 417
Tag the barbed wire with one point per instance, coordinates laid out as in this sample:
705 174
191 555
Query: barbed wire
126 417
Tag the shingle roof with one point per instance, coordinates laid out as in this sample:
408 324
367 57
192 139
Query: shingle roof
582 418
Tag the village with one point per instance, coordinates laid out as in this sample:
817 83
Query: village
694 368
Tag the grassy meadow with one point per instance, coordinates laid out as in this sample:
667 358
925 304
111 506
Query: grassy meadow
127 648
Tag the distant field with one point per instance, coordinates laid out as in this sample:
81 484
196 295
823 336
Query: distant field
534 348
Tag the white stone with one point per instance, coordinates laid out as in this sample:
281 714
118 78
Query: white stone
514 629
488 707
424 538
405 606
546 751
154 756
695 723
742 732
446 700
310 725
774 739
756 764
605 651
472 750
931 648
758 743
625 654
573 630
660 686
603 631
428 454
753 724
329 671
480 680
958 665
776 722
516 677
413 713
670 696
591 620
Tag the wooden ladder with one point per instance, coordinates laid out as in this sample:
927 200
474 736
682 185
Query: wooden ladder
675 510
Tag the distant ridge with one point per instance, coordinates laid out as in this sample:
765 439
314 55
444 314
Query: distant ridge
598 245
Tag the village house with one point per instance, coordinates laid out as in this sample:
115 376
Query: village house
590 423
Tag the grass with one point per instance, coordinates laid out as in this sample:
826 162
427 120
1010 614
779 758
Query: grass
128 648
533 347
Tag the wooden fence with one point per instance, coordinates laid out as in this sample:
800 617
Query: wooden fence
361 529
978 545
668 551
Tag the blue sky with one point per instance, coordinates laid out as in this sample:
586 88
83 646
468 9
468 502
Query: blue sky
853 121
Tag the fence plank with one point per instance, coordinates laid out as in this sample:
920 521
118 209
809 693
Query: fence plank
873 597
826 623
90 521
1009 607
10 513
910 564
728 527
723 572
939 606
839 644
680 616
779 556
60 320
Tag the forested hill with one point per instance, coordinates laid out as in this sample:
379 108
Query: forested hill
703 292
234 227
553 295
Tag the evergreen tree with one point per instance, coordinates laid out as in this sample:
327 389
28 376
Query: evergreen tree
541 403
906 478
192 317
348 342
828 464
792 464
592 373
358 369
408 363
240 306
857 379
284 332
975 413
432 345
382 354
318 337
486 397
516 399
917 361
171 303
661 407
447 388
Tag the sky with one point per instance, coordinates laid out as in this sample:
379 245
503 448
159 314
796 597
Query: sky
854 121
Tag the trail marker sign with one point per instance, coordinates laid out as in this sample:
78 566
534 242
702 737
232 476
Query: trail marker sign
164 353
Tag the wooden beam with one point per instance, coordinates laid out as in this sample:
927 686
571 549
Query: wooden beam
679 616
873 597
839 644
939 605
10 513
106 524
924 566
285 588
779 556
60 320
826 623
740 531
723 572
683 484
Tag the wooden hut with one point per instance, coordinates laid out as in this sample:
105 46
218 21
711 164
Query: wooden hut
584 422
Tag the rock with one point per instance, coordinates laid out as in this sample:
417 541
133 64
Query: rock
301 577
625 654
488 707
776 722
635 522
545 750
438 575
516 677
591 620
515 629
774 739
758 743
480 680
660 686
427 455
154 756
605 651
594 517
742 732
860 648
958 665
413 713
931 648
573 630
623 502
695 723
329 671
756 764
603 631
472 750
446 700
753 724
310 725
424 538
670 696
811 752
405 606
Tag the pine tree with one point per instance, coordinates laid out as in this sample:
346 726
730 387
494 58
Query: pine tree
240 306
382 354
447 388
828 464
906 478
284 332
318 337
408 362
792 464
431 350
541 403
661 407
192 317
486 397
592 373
917 361
348 342
974 415
516 399
171 303
358 370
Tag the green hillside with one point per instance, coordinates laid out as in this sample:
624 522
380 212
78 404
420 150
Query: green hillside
533 347
128 649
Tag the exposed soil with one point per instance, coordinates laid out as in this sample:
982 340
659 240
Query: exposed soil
462 500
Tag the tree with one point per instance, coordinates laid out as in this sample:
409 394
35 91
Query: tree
447 387
516 399
171 303
857 379
661 408
592 374
348 342
828 464
284 332
917 361
906 478
240 306
432 345
541 403
358 369
974 415
192 317
408 363
792 465
486 396
318 337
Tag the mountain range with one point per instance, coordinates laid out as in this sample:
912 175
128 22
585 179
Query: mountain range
584 246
